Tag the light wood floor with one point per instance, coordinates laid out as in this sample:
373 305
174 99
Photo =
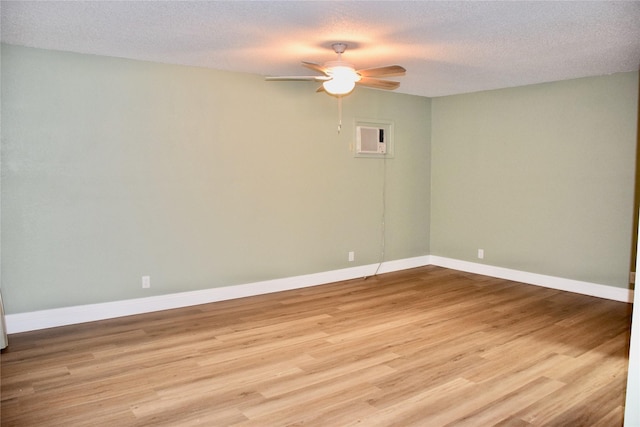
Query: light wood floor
424 347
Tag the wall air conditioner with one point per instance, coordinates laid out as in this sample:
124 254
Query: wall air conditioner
371 140
374 138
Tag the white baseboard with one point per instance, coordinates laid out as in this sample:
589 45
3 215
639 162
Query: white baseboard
31 321
23 322
576 286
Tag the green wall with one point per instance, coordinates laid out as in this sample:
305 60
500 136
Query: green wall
541 177
113 169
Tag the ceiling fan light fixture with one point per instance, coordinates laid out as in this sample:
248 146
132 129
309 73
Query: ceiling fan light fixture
339 87
343 80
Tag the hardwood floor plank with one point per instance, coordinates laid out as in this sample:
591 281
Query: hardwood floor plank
413 381
487 393
418 408
193 412
500 410
591 408
580 388
301 404
291 345
513 422
339 369
615 417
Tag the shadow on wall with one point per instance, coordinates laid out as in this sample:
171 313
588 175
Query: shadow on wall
636 202
3 328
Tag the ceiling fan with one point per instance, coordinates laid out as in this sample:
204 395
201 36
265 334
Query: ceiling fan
339 77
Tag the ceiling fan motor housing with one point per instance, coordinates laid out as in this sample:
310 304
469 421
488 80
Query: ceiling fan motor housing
339 48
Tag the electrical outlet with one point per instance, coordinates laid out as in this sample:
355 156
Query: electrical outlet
481 253
352 256
146 282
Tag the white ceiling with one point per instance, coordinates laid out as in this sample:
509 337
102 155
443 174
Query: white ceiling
446 47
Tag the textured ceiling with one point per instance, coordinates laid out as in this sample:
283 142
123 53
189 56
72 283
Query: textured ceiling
446 47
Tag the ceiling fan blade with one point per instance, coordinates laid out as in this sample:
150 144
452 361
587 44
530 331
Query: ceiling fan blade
378 84
390 70
320 89
313 66
297 78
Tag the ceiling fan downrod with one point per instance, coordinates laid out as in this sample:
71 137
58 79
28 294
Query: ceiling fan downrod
339 48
